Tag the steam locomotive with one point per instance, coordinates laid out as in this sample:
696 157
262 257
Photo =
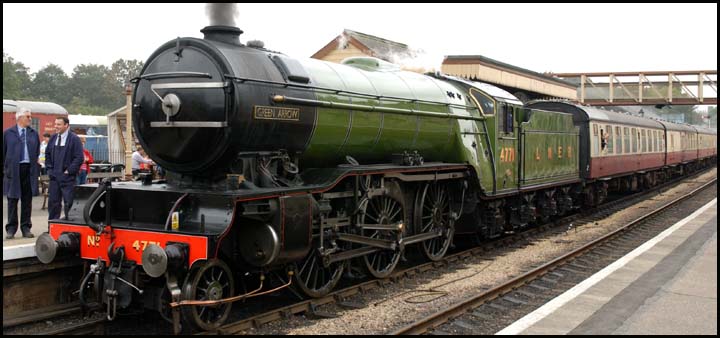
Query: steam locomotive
299 168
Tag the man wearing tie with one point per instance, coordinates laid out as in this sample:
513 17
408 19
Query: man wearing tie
21 147
63 157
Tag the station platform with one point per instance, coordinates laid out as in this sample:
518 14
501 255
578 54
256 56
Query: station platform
666 286
20 247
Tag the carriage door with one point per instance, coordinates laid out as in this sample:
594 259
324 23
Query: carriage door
507 173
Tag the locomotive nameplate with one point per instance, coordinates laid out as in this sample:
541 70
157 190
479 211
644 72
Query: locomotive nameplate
276 113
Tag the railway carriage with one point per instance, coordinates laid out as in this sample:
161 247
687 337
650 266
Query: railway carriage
707 143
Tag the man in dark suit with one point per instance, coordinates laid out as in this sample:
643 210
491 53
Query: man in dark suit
63 157
21 147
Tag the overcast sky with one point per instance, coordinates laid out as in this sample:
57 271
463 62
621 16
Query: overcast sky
549 37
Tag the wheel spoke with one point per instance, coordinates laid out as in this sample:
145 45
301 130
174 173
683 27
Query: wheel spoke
395 214
312 268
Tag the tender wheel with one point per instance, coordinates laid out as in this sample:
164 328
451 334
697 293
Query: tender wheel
432 215
315 279
211 280
382 210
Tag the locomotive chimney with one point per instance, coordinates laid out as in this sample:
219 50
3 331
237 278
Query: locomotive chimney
221 33
222 26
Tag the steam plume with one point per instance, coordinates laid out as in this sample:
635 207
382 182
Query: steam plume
221 13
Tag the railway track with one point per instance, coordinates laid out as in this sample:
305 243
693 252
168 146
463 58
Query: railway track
540 284
341 298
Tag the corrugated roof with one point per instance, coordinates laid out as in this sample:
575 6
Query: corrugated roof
35 107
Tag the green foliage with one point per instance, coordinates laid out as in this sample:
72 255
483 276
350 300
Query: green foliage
95 85
712 113
125 70
80 105
91 89
16 80
51 84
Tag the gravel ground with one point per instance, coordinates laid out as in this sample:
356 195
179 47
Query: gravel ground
394 306
51 325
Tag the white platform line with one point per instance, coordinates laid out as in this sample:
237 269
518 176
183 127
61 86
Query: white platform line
18 251
551 306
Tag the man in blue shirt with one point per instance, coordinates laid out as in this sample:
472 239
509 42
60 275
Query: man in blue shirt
21 146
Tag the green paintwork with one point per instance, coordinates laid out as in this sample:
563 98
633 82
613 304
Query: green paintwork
555 131
498 158
370 137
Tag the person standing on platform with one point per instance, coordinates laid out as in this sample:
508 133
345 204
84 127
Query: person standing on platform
21 147
87 161
63 158
41 159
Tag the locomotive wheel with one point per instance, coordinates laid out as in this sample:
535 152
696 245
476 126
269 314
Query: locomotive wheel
313 278
432 215
382 210
211 280
164 301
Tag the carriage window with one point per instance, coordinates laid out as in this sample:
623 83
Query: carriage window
610 143
644 141
636 139
626 139
654 140
651 136
672 142
596 140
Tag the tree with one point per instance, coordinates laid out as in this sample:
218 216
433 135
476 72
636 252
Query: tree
95 85
16 80
712 114
80 105
51 84
125 70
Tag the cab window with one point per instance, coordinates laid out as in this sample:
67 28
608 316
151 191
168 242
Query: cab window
486 104
508 119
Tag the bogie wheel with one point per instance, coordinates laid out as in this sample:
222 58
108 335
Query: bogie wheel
432 215
315 279
211 280
382 210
